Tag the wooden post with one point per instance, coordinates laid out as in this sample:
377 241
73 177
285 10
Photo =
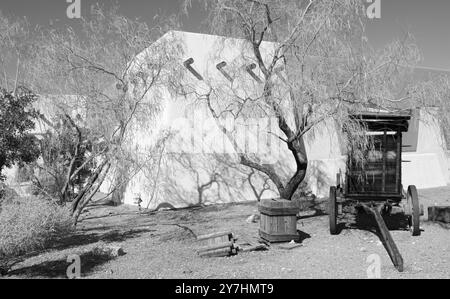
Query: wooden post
440 214
217 252
216 245
398 167
215 238
228 245
387 239
383 176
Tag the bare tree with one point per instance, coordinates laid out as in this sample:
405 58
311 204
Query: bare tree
15 42
103 73
321 68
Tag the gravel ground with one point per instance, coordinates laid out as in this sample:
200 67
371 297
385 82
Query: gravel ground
162 245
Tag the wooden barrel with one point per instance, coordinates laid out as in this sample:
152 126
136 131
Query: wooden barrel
278 221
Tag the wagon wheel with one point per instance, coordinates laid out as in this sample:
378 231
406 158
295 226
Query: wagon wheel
333 211
414 209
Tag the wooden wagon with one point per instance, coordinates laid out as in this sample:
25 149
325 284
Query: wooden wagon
374 184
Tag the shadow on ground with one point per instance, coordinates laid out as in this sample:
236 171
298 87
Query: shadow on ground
52 269
58 268
109 236
302 236
393 222
313 206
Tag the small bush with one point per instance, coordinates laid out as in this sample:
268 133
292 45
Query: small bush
7 195
29 224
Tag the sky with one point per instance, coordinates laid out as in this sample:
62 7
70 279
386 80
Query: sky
428 21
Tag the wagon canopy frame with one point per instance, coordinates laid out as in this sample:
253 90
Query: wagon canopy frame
378 178
384 121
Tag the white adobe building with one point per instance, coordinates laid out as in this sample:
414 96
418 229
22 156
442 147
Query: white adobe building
184 173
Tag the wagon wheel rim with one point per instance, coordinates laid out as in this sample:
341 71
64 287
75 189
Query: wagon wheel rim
333 211
414 210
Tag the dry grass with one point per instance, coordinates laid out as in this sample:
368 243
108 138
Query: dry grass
28 224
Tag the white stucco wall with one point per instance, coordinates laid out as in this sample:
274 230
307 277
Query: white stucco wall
428 167
187 120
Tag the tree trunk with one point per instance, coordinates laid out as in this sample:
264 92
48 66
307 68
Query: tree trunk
75 157
298 149
89 197
88 186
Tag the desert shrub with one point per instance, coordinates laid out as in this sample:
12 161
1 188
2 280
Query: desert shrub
7 194
47 185
24 173
29 224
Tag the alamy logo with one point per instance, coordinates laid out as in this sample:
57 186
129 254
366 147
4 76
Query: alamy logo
374 269
74 9
74 269
374 9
